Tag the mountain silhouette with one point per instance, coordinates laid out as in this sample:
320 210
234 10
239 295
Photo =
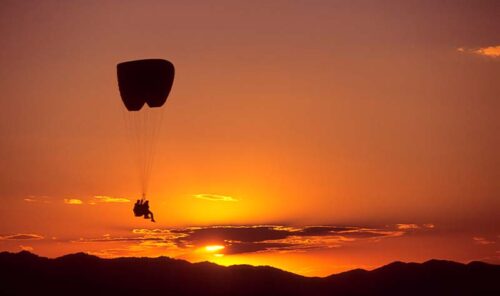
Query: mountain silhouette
25 273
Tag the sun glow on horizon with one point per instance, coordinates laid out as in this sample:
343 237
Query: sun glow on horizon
214 248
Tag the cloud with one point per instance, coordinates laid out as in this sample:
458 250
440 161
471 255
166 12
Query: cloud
97 199
415 226
133 245
77 201
144 235
37 199
117 239
73 201
113 253
232 233
215 197
261 238
489 51
238 239
482 241
150 231
240 248
108 199
322 230
407 226
21 236
26 248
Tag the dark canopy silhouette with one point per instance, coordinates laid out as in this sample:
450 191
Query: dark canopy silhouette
145 81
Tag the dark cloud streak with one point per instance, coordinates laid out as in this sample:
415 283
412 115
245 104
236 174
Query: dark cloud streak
260 238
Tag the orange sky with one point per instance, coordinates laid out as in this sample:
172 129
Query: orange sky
377 120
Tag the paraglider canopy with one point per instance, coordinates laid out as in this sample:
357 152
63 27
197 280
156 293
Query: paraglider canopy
145 81
141 82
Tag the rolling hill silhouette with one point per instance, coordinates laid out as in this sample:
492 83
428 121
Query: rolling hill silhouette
24 273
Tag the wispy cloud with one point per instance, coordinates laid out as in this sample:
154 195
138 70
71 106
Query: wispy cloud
143 235
117 239
37 199
21 236
260 238
482 240
108 199
73 201
134 245
78 201
26 248
414 226
407 226
116 252
214 197
489 51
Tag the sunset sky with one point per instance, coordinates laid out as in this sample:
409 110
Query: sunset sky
313 136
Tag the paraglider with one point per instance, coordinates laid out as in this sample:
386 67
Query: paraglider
141 208
144 87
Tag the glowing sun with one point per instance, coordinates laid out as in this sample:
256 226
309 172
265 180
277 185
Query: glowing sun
214 248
